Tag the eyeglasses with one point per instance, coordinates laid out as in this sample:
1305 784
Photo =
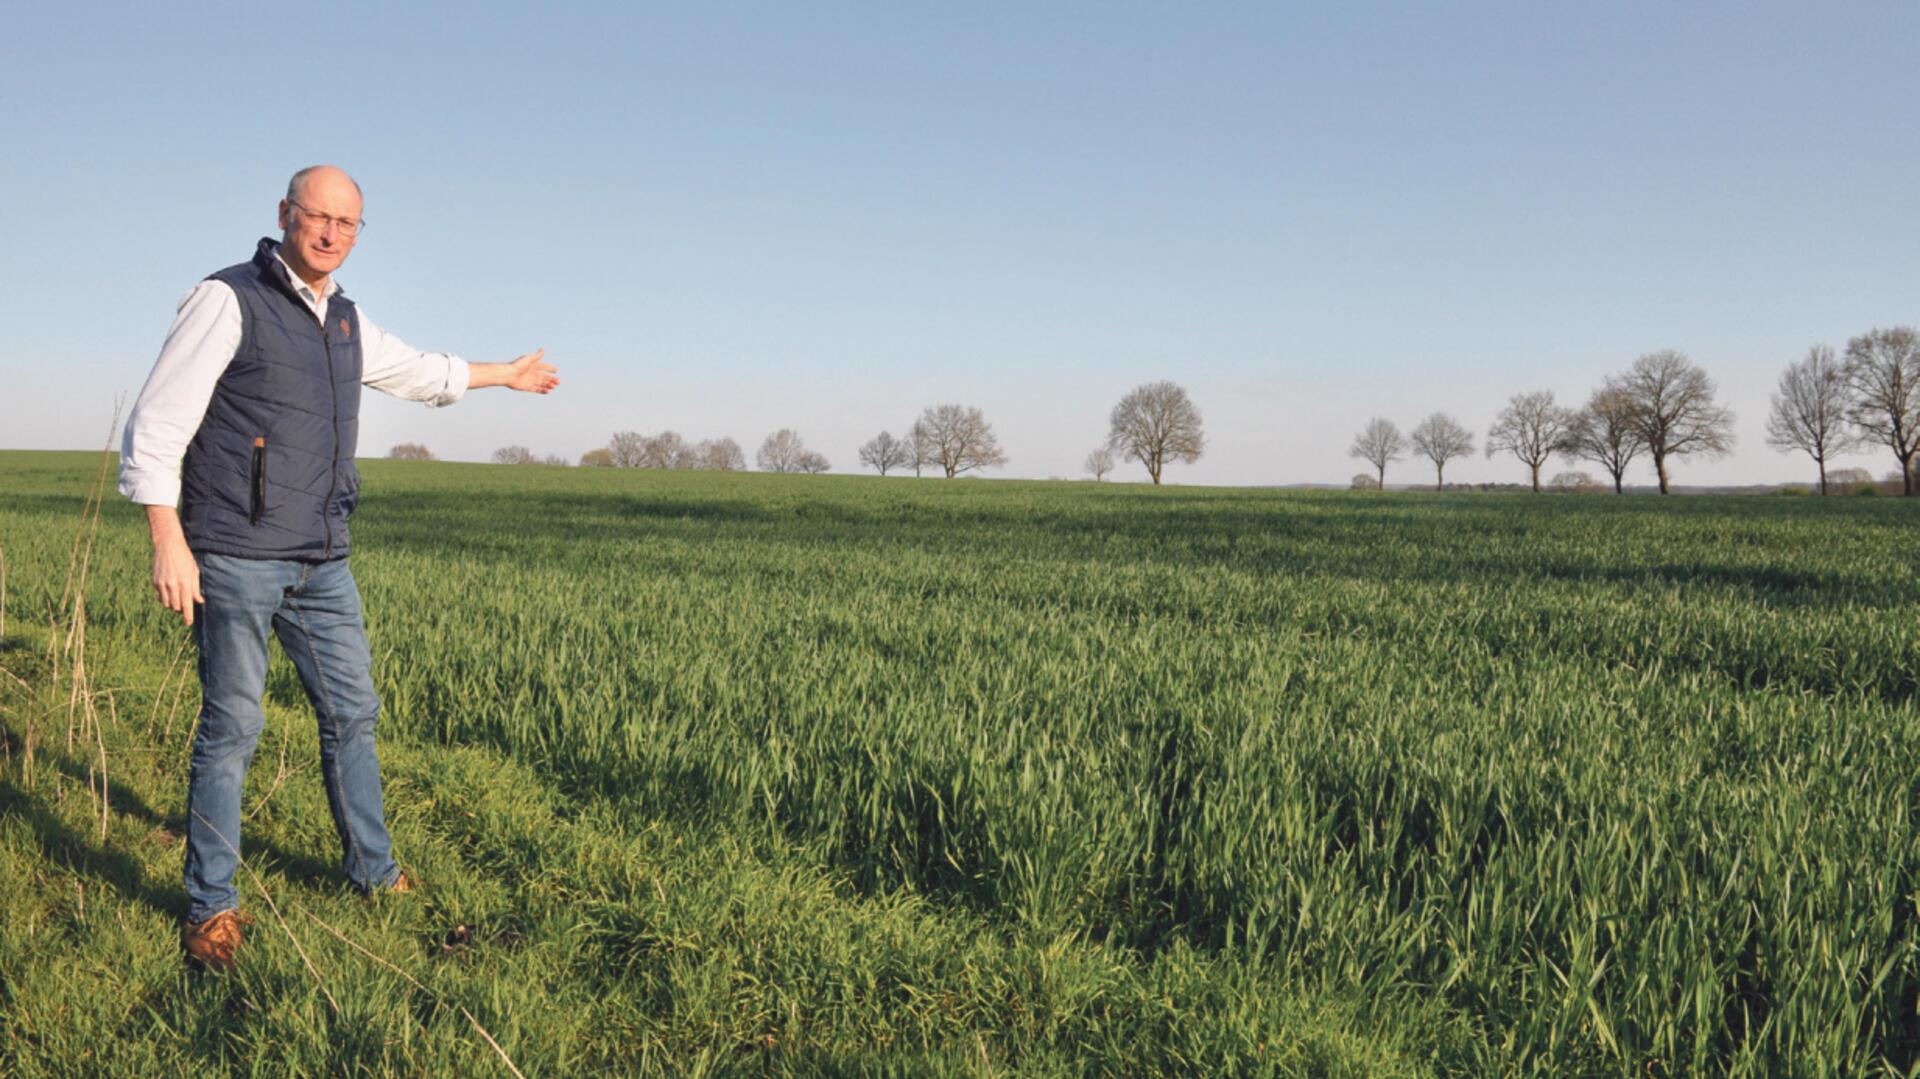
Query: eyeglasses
347 225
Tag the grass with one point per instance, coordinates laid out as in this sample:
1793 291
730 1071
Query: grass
745 774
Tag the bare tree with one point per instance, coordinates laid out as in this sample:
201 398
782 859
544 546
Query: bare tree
718 455
628 449
1441 438
957 438
1364 481
1883 376
1155 425
554 460
1099 463
410 451
812 462
1673 411
1378 443
664 450
1810 410
513 455
884 452
600 458
1603 432
781 451
1531 428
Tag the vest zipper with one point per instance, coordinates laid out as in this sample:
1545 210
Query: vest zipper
333 474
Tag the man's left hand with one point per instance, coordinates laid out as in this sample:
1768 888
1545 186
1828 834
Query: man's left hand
530 375
527 374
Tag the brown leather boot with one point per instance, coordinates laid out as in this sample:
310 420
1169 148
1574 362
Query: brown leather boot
402 884
211 944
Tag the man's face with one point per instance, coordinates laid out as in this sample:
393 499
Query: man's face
313 239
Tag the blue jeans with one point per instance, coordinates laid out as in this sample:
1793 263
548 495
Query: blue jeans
314 608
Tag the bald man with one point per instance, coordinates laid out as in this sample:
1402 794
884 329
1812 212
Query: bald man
241 448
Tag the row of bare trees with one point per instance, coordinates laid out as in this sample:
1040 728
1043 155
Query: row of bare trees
632 449
783 451
520 455
1828 405
1662 409
1156 424
1663 406
1665 409
953 438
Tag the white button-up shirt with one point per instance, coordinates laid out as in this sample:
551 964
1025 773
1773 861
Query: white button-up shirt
204 337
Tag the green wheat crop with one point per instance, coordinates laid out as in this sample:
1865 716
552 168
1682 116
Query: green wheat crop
1547 784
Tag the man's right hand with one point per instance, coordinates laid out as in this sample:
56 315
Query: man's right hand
176 576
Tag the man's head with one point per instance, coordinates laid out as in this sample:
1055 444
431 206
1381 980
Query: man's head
319 221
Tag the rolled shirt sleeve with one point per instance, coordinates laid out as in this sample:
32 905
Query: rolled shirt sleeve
390 365
199 346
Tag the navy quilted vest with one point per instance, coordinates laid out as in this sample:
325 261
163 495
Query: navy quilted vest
270 472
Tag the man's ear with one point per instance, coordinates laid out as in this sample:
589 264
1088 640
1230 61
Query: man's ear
283 215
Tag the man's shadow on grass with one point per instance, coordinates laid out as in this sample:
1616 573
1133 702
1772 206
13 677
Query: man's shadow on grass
79 848
70 847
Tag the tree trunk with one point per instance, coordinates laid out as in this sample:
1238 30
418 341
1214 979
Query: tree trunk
1906 475
1439 477
1823 476
1536 479
1660 466
1383 477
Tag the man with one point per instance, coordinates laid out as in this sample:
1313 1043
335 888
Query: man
248 424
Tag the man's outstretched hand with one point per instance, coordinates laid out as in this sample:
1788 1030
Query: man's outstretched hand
527 374
533 375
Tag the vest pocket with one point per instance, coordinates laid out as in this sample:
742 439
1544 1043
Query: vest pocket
258 502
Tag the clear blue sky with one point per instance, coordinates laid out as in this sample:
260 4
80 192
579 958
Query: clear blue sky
724 219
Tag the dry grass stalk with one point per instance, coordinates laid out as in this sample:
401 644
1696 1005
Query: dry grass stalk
318 981
172 667
82 549
80 561
508 1061
100 741
71 645
278 782
77 695
31 738
179 690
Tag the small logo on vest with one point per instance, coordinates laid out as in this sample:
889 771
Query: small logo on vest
345 329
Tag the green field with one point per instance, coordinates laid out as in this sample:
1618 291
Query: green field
746 774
